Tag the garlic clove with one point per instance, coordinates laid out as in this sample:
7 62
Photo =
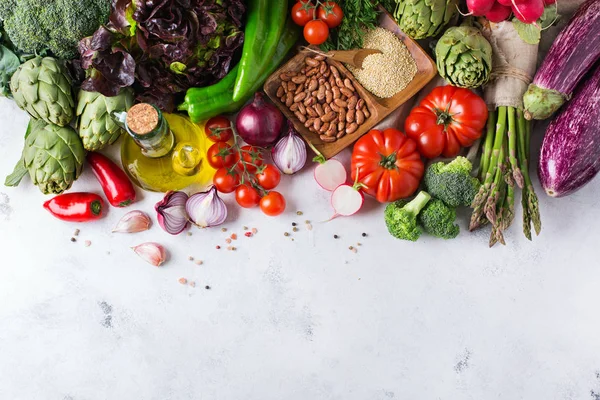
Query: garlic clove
152 253
132 222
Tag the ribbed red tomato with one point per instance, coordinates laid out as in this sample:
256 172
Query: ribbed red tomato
388 164
446 120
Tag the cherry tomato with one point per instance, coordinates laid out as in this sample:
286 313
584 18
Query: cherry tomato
220 155
331 13
269 177
272 204
302 12
246 196
251 157
225 181
218 129
316 32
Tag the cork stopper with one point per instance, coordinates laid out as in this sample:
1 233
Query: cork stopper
142 118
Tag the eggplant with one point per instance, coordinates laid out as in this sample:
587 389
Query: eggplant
571 56
570 155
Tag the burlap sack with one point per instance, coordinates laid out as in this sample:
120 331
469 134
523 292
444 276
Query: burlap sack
513 65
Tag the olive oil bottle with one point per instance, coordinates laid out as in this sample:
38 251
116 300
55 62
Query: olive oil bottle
163 152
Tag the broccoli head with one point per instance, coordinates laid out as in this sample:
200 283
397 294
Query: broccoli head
56 25
401 217
452 183
437 219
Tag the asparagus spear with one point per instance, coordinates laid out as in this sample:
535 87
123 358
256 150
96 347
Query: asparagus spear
512 148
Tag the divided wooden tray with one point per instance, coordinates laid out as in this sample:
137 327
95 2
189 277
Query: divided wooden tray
378 107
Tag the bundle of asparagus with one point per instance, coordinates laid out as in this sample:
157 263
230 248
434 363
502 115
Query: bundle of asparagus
505 149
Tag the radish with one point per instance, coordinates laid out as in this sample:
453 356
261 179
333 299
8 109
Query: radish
329 174
498 13
479 7
507 3
346 200
549 2
528 11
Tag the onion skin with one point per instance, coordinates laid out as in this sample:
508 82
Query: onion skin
260 122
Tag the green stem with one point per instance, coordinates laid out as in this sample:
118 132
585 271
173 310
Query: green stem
512 148
522 144
487 147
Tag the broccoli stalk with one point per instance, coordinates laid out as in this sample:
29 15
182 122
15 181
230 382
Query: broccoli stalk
437 219
401 217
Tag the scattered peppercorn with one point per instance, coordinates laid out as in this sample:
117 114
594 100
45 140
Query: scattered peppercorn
76 233
286 234
227 240
73 239
245 228
335 236
189 233
299 213
207 287
248 234
359 244
293 224
364 234
350 247
218 247
87 243
307 222
191 258
295 229
254 230
199 262
223 229
234 236
193 284
183 281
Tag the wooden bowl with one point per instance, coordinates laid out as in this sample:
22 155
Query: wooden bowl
378 107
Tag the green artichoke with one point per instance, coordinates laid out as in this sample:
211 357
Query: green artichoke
96 127
420 19
53 155
42 87
464 57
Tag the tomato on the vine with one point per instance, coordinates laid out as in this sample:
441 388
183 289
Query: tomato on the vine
268 177
220 155
331 13
316 32
303 12
251 158
247 196
218 129
273 204
226 181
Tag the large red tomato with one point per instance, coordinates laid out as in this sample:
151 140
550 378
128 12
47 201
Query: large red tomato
388 164
446 120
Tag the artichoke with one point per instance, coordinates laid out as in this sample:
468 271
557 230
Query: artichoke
420 19
96 127
53 155
42 87
464 57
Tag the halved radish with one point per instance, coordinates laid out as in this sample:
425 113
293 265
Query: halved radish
330 174
498 13
479 7
528 11
346 200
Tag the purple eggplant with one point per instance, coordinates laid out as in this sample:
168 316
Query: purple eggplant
571 56
570 155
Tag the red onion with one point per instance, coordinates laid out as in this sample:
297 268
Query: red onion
206 208
171 213
259 123
289 154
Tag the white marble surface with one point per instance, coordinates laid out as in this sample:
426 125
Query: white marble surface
302 319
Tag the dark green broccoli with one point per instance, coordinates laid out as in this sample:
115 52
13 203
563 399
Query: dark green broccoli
437 219
452 183
56 25
401 217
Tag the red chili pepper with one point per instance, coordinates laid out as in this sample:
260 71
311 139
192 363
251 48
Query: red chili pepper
76 207
116 185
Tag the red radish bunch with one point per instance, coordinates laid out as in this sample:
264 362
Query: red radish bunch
526 11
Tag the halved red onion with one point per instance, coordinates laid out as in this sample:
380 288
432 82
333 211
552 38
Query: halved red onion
171 212
206 208
289 154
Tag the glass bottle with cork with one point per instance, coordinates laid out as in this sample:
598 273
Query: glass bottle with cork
163 152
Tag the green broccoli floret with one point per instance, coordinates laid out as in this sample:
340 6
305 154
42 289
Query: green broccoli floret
57 25
452 183
401 217
437 219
